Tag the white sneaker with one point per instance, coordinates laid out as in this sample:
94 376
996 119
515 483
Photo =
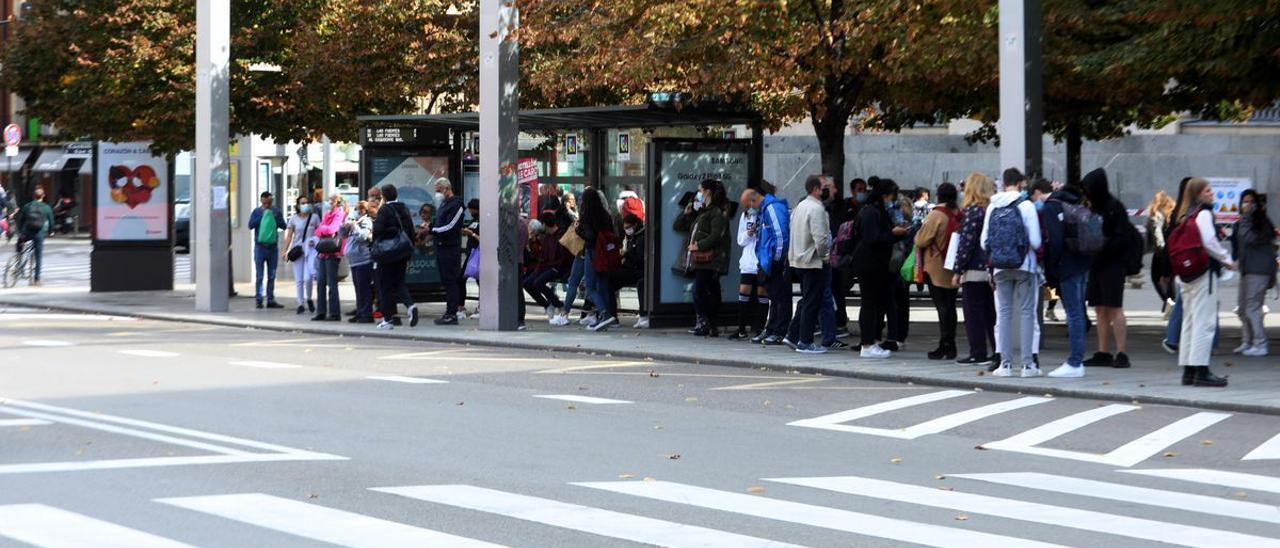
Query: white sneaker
1005 370
589 319
642 323
550 311
874 352
1067 371
603 324
1256 351
1031 371
1244 347
559 320
386 325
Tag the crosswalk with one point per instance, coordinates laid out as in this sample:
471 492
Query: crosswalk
1032 440
1147 514
70 266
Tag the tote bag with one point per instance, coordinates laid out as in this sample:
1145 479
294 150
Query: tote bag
473 265
949 262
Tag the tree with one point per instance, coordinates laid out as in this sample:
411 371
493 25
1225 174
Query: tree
124 70
889 63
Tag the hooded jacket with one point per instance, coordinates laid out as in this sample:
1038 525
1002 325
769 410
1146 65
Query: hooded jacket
1113 214
774 235
1059 262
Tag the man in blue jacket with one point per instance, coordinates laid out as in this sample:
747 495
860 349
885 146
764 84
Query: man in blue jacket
1067 271
771 250
266 222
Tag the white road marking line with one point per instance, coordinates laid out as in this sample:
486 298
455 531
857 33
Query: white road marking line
155 462
149 353
18 317
49 527
1269 449
577 368
935 426
422 355
48 343
409 380
1218 478
581 399
1126 455
24 422
266 365
1059 516
318 522
579 518
129 432
767 385
814 516
1138 495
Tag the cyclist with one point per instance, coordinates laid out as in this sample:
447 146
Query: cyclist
34 221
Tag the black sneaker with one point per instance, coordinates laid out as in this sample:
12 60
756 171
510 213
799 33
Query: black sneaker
973 361
273 304
838 345
760 337
413 316
995 362
258 304
771 340
891 346
311 305
447 320
1099 359
1122 361
739 335
1168 346
301 309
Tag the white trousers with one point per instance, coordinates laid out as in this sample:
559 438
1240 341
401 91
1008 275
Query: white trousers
304 274
1199 319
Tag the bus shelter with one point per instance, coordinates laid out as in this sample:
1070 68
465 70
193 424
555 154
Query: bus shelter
660 151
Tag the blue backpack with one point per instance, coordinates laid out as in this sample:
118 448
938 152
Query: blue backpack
1007 243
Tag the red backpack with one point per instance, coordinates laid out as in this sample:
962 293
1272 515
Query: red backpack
607 255
1187 256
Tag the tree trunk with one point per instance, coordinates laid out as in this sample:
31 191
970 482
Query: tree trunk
830 130
1074 143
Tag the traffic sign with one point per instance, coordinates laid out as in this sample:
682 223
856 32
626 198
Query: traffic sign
12 135
10 151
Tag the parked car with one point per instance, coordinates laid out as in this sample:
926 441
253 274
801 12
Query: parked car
182 225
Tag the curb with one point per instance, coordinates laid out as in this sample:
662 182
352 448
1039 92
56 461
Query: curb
900 378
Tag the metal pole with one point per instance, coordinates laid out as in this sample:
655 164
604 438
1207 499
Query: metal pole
212 169
326 162
499 132
1021 97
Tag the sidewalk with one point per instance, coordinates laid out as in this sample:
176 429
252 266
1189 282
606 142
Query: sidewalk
1154 377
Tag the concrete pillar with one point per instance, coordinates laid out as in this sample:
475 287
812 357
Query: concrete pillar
1021 93
330 177
499 132
209 197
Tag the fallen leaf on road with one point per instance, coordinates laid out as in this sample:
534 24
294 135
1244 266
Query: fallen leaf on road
755 489
626 476
674 456
658 427
649 479
691 400
947 488
895 460
789 406
1241 494
25 429
462 403
767 403
980 448
977 389
1206 442
962 517
939 477
653 374
982 373
1170 455
313 496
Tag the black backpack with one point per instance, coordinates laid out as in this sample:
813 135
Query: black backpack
33 220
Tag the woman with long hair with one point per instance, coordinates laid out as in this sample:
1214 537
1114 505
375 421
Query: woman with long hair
1199 301
301 234
972 274
1253 243
595 222
706 220
932 240
328 259
1159 212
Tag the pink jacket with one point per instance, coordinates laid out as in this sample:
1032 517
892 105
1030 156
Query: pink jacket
331 227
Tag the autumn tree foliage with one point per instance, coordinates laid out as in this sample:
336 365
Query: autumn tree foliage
124 70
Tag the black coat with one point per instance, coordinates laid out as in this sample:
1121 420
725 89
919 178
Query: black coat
385 225
875 239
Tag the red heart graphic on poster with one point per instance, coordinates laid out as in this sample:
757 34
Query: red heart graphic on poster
132 187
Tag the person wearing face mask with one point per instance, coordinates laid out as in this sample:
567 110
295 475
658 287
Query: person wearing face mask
470 231
1253 243
932 241
834 315
630 272
810 256
753 301
707 254
773 235
447 231
878 235
301 235
1196 237
857 197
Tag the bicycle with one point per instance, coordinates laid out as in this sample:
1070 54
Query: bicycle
20 265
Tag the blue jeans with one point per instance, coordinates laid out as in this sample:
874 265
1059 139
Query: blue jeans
37 249
827 314
1071 290
1173 333
327 287
597 287
362 278
266 257
812 304
571 287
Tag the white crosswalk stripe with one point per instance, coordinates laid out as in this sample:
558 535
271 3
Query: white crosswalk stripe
580 518
1129 454
1138 495
49 527
1269 449
1060 516
70 266
1216 477
320 523
942 424
817 516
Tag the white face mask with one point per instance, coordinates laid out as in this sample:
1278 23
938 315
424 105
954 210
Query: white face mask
439 198
630 231
699 200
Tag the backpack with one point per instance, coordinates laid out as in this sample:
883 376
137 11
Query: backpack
1007 242
1135 248
1084 234
1188 259
607 255
842 246
33 220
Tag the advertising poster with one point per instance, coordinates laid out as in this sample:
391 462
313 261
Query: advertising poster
415 179
132 191
679 173
1226 197
624 147
571 146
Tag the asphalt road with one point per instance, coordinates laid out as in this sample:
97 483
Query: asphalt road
118 432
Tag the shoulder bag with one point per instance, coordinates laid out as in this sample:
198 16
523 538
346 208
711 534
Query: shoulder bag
295 252
395 249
